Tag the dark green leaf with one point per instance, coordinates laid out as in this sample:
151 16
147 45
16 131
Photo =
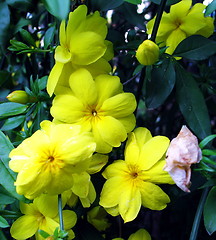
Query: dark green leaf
192 103
210 8
3 223
17 45
134 1
209 152
48 37
10 109
5 197
7 176
4 21
12 123
20 4
169 2
27 37
161 84
22 22
58 8
42 82
4 76
195 48
102 5
206 140
2 236
210 211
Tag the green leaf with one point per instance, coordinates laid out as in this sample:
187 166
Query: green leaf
42 82
2 236
48 37
27 37
17 45
209 152
192 103
4 76
4 22
134 1
206 140
5 197
195 47
102 5
209 212
12 123
161 84
23 5
169 2
10 109
22 23
43 233
58 8
7 176
210 8
3 223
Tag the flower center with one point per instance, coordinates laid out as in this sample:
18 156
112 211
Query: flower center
94 113
51 159
134 175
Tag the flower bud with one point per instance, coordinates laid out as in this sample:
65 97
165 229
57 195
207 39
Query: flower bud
147 53
20 96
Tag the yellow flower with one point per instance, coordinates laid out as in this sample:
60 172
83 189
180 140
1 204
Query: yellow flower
141 234
82 44
97 217
99 106
42 214
182 22
132 182
147 53
46 161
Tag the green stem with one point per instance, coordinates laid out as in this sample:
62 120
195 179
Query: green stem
60 212
158 19
196 223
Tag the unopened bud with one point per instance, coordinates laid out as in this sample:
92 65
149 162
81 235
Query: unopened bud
20 96
147 53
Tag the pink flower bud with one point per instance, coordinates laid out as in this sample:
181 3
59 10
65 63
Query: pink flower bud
182 152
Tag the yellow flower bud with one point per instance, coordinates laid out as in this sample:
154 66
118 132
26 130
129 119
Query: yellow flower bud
20 96
147 53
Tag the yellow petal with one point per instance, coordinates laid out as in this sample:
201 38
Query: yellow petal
117 168
62 54
111 192
86 202
107 86
143 135
81 184
111 131
153 150
174 39
153 197
54 77
109 54
120 105
49 225
98 161
67 108
24 227
69 218
83 86
132 150
208 29
166 26
113 211
180 10
86 48
140 234
128 122
62 34
129 203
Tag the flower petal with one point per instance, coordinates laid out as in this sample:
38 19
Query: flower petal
153 151
153 196
180 10
120 105
111 131
62 54
49 225
128 122
81 184
143 135
140 234
129 203
69 218
98 161
117 168
86 48
132 150
83 86
24 227
86 202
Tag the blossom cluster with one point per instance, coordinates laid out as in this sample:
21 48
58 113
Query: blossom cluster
92 115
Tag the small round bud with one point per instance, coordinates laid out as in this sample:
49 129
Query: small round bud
147 53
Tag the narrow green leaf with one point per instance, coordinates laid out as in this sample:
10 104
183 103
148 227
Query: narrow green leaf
21 23
42 82
195 47
134 1
2 236
192 103
10 109
160 85
58 8
12 123
48 37
206 140
43 233
27 37
169 2
209 152
210 212
7 176
3 223
210 8
17 45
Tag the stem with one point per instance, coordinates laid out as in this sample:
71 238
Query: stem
158 19
60 212
196 223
